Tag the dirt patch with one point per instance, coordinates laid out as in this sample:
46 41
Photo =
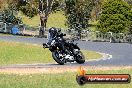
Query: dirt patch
53 70
33 70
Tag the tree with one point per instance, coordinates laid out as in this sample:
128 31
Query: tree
96 10
78 13
129 1
8 13
3 4
31 8
116 16
8 16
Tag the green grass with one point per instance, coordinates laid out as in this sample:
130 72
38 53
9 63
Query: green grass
1 34
91 55
55 20
25 36
19 53
61 80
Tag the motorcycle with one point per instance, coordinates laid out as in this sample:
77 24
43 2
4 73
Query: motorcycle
65 51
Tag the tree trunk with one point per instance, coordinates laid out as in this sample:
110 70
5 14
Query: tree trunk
43 22
42 19
44 16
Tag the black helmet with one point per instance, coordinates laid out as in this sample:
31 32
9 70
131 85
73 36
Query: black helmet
53 32
53 29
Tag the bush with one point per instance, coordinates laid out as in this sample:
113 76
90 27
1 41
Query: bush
9 17
78 13
116 16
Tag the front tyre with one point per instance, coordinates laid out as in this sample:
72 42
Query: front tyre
57 58
80 58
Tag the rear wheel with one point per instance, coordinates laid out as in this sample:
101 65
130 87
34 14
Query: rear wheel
80 58
59 59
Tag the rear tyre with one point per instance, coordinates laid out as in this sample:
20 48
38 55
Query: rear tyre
80 58
57 58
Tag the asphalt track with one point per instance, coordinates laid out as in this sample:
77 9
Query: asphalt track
121 52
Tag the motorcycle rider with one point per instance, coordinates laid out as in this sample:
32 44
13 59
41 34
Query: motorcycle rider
66 51
53 32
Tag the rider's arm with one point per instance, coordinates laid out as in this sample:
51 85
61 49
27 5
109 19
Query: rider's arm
61 35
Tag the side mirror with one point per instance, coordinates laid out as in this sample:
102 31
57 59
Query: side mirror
59 30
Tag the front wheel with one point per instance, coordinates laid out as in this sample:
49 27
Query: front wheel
80 58
56 56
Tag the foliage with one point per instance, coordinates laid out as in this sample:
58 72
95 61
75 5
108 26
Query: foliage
96 10
116 16
78 13
8 16
28 8
31 8
129 1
